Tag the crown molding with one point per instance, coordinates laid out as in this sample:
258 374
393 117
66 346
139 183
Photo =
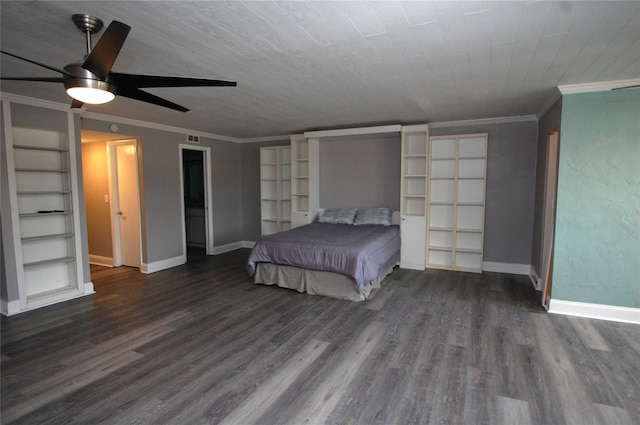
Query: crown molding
596 87
285 137
40 102
155 126
502 120
382 129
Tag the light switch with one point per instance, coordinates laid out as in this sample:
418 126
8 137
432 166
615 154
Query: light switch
106 199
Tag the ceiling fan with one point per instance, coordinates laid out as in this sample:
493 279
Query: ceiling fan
93 82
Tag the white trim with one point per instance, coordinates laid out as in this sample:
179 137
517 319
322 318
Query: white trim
9 308
88 288
99 260
154 126
552 101
37 102
595 311
596 87
511 268
208 201
285 138
535 279
501 120
157 266
232 247
416 128
395 128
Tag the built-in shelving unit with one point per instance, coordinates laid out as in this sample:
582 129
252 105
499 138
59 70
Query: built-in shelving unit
42 175
275 189
304 179
456 200
413 194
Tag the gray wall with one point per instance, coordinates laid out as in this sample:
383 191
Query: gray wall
360 172
547 124
510 197
160 189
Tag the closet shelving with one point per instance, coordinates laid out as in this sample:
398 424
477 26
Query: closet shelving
43 194
275 189
456 201
413 194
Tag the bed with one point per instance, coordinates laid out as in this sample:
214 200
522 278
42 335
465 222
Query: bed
345 254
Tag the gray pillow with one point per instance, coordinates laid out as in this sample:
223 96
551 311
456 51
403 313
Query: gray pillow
338 216
380 216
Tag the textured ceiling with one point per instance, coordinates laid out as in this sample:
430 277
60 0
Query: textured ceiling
316 65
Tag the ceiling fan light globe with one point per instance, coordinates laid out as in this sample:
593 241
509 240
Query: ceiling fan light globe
94 96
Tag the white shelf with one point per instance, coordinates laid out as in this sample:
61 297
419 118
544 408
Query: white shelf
275 189
413 197
43 198
456 200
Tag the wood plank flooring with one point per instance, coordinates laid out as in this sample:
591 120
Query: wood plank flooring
201 344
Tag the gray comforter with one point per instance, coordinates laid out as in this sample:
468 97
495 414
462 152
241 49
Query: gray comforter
362 252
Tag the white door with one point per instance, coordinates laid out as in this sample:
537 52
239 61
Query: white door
413 235
127 204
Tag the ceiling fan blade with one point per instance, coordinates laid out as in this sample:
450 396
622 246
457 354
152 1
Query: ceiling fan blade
131 80
76 104
44 80
134 93
52 68
106 50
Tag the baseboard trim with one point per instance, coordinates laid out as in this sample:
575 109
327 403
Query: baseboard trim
221 249
9 308
595 311
157 266
511 268
535 279
100 261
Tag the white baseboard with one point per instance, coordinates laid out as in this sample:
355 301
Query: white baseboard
232 247
595 311
163 264
535 279
100 261
9 308
511 268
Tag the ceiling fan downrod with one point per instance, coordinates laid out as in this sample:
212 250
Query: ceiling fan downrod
89 25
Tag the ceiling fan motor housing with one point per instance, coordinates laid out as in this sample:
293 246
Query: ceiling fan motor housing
85 78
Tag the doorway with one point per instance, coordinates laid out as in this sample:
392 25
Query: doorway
195 172
551 189
122 165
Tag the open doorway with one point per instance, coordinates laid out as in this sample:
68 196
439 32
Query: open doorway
99 157
195 163
124 191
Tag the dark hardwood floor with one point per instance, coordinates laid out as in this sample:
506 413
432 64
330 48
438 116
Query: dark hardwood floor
201 344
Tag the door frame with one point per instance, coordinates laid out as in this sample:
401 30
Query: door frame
208 196
114 200
549 214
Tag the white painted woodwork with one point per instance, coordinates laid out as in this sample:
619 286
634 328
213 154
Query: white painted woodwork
455 206
275 189
305 179
413 196
44 206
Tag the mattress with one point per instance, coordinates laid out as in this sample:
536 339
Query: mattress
362 253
